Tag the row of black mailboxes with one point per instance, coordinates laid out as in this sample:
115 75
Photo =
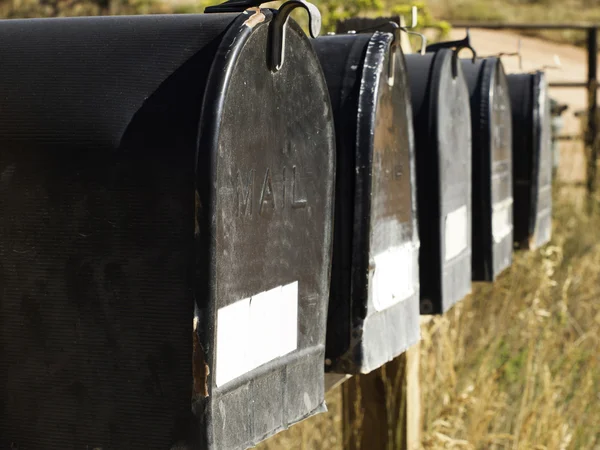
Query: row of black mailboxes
159 168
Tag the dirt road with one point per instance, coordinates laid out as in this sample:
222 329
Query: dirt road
536 54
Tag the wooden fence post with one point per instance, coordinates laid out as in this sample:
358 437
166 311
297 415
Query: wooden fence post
382 409
375 408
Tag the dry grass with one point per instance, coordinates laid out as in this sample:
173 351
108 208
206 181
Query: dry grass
317 433
517 365
522 11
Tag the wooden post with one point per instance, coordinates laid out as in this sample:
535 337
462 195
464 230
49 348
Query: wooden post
414 414
375 408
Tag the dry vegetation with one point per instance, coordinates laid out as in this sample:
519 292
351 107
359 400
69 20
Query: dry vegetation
517 364
554 11
322 432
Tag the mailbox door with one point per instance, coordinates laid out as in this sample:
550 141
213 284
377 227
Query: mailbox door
542 229
443 135
373 313
501 169
267 140
531 150
454 146
492 167
98 129
392 322
342 58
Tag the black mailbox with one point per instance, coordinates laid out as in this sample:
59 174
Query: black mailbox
149 164
492 193
442 119
374 302
532 159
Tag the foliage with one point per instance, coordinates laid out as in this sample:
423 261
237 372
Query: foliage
335 10
426 18
62 8
331 10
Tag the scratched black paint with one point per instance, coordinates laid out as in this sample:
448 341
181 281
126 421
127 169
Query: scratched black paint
443 158
375 202
532 159
491 121
111 208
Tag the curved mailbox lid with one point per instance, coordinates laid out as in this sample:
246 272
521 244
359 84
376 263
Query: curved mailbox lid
491 121
268 138
103 181
373 313
440 100
532 159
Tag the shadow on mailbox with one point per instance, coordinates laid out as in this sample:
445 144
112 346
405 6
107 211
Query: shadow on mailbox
373 308
442 118
492 190
532 159
119 213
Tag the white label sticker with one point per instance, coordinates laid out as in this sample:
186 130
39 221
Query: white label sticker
256 330
393 276
456 230
502 219
233 325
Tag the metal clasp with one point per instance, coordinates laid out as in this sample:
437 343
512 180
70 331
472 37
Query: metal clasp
457 46
277 27
396 30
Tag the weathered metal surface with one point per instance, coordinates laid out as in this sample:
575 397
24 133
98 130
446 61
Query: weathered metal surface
442 119
532 159
492 193
120 213
374 306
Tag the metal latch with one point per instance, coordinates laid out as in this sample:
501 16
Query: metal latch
277 27
396 29
457 46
